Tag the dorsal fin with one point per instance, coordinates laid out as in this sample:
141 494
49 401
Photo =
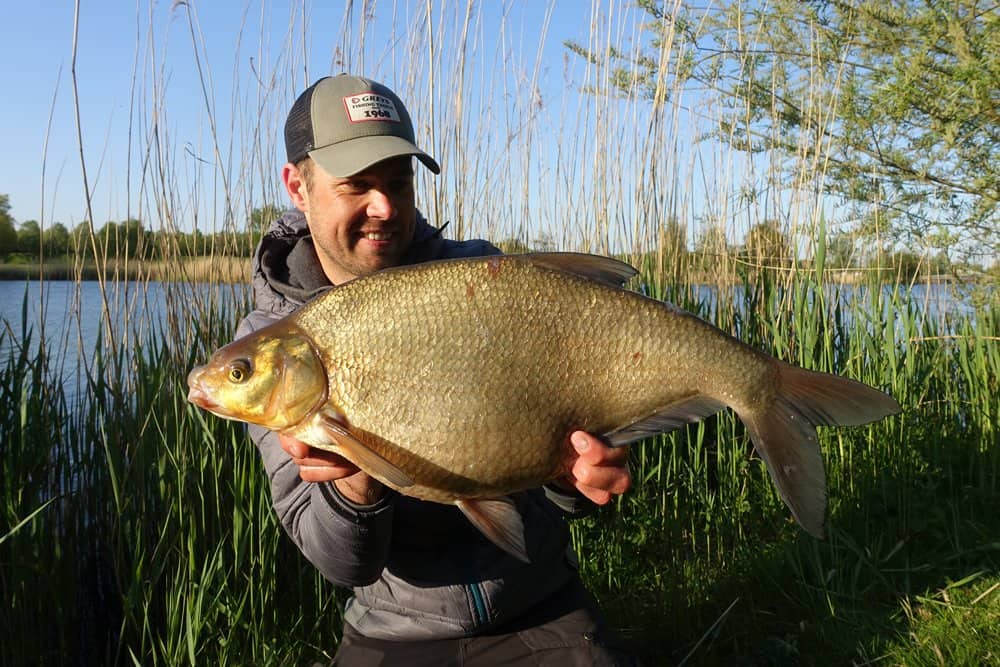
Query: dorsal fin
595 267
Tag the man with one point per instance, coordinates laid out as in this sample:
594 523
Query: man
429 589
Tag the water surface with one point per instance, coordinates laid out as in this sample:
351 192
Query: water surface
72 317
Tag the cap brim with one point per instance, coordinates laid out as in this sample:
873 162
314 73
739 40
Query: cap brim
354 156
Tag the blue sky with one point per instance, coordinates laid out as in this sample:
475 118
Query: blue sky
115 40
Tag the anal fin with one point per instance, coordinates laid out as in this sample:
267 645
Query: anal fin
499 520
364 456
669 418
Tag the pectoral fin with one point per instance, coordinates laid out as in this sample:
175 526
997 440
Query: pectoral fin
667 419
499 520
364 456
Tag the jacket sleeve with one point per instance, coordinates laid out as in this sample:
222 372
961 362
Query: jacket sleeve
347 543
571 504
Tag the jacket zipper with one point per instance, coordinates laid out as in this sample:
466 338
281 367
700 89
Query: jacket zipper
478 605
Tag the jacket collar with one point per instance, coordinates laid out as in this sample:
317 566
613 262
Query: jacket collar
287 272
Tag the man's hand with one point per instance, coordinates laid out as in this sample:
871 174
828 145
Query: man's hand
318 465
598 471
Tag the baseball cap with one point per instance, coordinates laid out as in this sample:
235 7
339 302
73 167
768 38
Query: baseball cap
347 123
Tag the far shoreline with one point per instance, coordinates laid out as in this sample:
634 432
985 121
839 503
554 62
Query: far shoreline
228 270
194 269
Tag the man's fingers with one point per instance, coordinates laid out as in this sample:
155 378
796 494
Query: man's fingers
596 496
294 448
316 465
594 451
604 495
323 469
323 473
614 479
599 472
321 459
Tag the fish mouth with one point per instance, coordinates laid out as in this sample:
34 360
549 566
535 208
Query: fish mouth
201 399
196 394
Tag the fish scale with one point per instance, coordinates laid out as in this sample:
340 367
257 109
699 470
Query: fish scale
460 381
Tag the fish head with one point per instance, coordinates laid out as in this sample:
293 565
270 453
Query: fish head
273 377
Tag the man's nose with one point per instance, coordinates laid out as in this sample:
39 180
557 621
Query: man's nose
380 205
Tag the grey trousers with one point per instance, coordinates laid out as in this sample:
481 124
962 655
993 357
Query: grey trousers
565 631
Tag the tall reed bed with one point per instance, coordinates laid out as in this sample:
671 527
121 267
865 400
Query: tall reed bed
138 530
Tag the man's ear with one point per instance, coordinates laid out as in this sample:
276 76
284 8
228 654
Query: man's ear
295 185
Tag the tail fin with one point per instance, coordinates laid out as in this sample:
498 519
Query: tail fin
785 435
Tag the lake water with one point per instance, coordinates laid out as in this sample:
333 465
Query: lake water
69 313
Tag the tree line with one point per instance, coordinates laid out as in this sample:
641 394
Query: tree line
765 247
27 242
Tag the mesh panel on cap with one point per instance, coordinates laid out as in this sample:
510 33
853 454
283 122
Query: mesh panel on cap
299 138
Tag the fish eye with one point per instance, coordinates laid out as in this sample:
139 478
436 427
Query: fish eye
240 371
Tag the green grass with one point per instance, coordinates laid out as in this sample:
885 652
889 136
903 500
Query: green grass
959 624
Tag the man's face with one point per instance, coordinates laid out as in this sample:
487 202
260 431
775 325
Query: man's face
359 224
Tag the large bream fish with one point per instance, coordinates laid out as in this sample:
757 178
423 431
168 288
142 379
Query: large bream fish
459 381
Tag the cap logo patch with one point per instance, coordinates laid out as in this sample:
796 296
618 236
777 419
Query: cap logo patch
370 106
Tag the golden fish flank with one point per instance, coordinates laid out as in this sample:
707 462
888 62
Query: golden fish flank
459 381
